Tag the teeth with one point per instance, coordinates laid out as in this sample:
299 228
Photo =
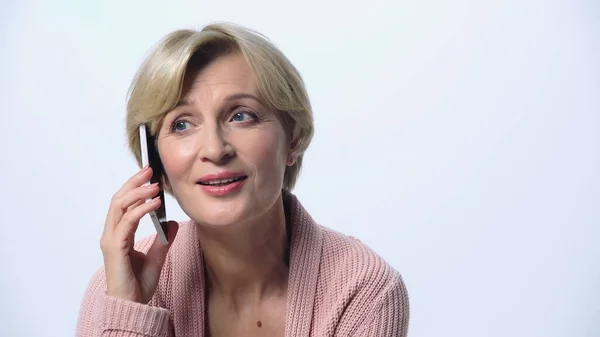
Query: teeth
222 181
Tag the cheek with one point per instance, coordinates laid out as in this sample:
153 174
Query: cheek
177 157
268 154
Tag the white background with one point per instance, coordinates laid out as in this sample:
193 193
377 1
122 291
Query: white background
459 139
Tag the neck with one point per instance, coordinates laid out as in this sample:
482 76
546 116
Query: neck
247 263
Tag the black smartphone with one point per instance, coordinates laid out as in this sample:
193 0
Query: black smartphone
151 157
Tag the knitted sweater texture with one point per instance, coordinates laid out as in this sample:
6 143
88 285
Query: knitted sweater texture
337 287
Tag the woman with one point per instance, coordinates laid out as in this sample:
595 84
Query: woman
232 120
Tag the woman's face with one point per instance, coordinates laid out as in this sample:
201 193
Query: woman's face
224 152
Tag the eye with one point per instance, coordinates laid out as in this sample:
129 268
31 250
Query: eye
243 116
179 126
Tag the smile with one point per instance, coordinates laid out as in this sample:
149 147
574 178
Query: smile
221 182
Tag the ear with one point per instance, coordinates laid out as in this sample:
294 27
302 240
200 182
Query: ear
165 181
291 159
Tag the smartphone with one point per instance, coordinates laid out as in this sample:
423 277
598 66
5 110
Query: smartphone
150 157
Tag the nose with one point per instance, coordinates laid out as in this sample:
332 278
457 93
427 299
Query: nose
214 147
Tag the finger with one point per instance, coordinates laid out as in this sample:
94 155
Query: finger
157 252
131 242
141 177
128 201
138 179
136 204
131 219
132 236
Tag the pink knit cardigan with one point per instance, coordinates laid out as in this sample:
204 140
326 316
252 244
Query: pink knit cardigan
337 287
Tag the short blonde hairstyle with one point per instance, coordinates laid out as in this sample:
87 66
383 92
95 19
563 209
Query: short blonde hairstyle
158 84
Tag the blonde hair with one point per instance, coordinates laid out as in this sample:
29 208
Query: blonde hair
158 84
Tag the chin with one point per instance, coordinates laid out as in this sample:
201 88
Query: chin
221 213
231 210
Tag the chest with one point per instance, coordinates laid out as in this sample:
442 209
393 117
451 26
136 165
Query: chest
266 319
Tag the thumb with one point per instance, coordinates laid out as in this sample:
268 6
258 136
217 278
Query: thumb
158 252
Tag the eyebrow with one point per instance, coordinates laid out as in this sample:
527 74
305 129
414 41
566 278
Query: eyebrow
185 102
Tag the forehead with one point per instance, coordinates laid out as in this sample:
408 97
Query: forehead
224 74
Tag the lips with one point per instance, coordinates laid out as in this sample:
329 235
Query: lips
221 179
222 184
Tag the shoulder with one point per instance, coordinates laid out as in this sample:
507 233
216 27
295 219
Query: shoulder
349 258
355 282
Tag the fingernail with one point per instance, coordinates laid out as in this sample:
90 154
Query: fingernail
153 185
145 167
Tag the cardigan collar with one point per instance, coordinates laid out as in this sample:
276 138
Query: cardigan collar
187 305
